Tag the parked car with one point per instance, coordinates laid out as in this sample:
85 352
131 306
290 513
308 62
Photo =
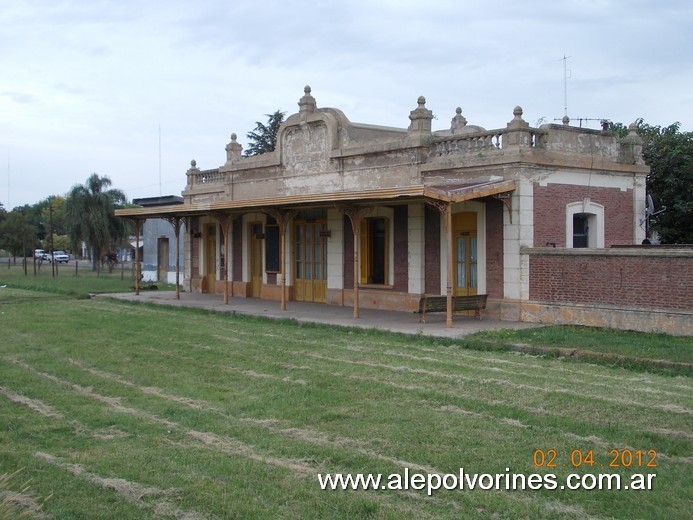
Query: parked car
60 257
38 254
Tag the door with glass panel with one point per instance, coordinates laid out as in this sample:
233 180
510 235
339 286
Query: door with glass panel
310 247
465 254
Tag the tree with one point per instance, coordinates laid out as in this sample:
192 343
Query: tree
669 154
17 235
52 210
89 216
264 138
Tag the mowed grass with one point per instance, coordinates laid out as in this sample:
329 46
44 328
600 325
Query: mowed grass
119 410
636 350
80 281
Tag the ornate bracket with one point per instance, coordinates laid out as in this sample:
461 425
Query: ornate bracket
176 222
507 200
282 216
355 214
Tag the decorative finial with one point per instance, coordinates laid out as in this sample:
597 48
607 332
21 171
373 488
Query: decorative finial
566 120
633 137
631 147
420 117
517 121
193 163
233 150
458 122
307 103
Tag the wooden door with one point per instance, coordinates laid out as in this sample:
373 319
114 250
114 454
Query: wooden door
310 282
465 254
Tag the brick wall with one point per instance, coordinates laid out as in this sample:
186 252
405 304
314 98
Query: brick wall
401 248
348 254
494 248
237 243
432 250
634 277
550 208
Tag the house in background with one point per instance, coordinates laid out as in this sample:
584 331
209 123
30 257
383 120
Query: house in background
368 216
158 248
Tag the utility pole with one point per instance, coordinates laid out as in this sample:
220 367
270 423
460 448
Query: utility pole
159 159
50 224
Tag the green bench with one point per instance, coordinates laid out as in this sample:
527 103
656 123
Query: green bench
475 302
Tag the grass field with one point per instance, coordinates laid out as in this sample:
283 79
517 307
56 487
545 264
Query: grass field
118 410
70 280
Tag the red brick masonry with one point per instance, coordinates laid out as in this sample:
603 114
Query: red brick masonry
645 277
549 212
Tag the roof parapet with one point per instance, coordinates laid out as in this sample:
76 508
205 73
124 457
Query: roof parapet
420 118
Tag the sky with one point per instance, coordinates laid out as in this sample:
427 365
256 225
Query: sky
133 90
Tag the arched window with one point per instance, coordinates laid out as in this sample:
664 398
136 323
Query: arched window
584 224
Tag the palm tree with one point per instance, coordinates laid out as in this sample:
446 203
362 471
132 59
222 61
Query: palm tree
264 138
89 216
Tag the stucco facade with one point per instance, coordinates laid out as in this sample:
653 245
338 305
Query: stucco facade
342 212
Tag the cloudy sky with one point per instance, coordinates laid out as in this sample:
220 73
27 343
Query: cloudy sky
135 89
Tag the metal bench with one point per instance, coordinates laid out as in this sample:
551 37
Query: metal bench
476 303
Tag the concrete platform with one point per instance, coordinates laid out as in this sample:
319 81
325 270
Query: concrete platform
404 322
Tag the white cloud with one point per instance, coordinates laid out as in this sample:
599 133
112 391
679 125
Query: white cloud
86 85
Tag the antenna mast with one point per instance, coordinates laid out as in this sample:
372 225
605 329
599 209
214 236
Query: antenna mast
8 181
567 73
159 159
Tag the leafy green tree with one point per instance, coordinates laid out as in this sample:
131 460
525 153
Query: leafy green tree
17 235
55 205
89 216
264 138
62 243
669 154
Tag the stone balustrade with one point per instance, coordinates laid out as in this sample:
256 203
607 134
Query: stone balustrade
213 176
482 141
